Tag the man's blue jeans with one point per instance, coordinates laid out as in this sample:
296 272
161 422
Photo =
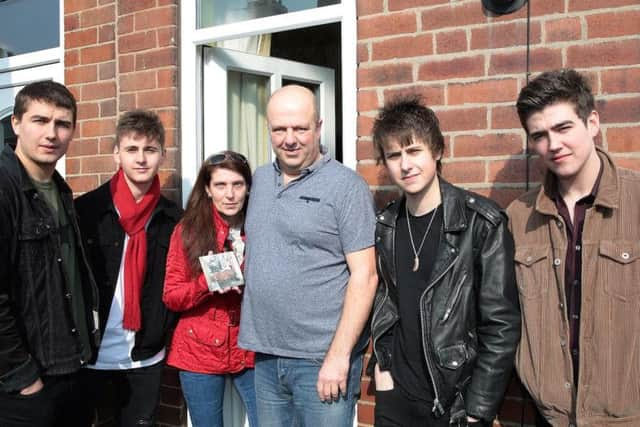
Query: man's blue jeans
287 396
204 394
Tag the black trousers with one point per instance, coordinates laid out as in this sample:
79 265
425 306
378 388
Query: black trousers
130 396
57 405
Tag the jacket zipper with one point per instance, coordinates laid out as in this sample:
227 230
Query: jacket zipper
437 409
453 299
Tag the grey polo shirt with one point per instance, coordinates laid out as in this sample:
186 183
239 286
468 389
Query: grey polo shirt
295 268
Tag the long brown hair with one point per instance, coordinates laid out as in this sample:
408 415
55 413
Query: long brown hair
198 227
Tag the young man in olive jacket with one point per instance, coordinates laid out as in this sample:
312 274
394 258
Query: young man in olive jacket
126 225
446 319
48 299
577 263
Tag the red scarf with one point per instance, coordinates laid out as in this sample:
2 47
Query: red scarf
133 219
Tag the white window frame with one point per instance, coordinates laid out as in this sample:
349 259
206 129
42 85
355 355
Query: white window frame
191 91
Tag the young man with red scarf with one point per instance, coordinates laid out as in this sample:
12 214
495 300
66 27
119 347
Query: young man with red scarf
126 225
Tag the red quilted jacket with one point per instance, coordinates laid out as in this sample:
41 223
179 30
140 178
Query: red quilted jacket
206 337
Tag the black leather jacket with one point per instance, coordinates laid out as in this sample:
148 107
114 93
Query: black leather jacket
470 315
37 330
104 239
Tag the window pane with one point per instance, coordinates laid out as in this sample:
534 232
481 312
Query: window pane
216 12
28 25
247 116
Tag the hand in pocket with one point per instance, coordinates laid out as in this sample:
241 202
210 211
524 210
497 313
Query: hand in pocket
383 379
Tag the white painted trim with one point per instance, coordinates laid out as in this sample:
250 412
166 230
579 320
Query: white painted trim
31 59
349 31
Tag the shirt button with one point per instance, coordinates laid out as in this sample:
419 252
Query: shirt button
563 343
73 330
578 248
557 262
567 385
561 305
529 258
454 363
59 260
472 200
576 282
67 295
559 223
575 316
625 255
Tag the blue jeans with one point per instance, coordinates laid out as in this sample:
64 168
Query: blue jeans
204 394
287 396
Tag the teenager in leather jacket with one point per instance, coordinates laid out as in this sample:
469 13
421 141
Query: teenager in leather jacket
469 317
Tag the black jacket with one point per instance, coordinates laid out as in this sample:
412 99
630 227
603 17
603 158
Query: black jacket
37 331
103 237
470 315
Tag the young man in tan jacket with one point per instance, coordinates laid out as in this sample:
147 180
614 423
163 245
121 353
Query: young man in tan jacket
577 263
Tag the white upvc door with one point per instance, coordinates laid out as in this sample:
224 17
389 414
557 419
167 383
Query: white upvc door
219 62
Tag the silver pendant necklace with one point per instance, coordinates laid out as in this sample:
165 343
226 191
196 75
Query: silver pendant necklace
416 259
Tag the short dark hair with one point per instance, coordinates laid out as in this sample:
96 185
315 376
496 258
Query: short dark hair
141 123
552 87
405 119
47 91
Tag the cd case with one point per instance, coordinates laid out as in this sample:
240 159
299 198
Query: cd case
221 270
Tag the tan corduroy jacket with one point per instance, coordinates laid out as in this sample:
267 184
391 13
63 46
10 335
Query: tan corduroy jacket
608 392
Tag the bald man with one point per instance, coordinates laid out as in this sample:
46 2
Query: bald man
310 273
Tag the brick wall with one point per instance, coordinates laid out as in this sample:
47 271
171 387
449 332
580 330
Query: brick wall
121 55
470 66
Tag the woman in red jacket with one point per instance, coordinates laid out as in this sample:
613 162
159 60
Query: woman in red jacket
205 343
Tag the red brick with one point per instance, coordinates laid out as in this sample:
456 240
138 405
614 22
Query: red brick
373 174
542 59
98 164
169 415
71 6
72 165
126 63
365 124
613 24
625 110
563 29
365 150
505 117
100 90
623 140
105 145
169 118
108 108
125 24
83 74
71 22
483 91
98 128
101 53
578 5
167 2
83 147
457 119
453 16
629 163
103 2
167 78
411 4
402 47
107 70
620 80
388 24
132 82
502 196
368 7
80 38
158 98
470 66
137 41
365 413
87 110
157 58
496 35
98 16
431 94
464 172
82 183
623 52
129 6
127 101
171 396
514 171
499 144
367 100
385 75
451 41
155 18
106 33
538 9
71 57
363 52
167 37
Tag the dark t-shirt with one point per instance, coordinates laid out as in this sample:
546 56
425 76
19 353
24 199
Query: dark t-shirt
408 366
